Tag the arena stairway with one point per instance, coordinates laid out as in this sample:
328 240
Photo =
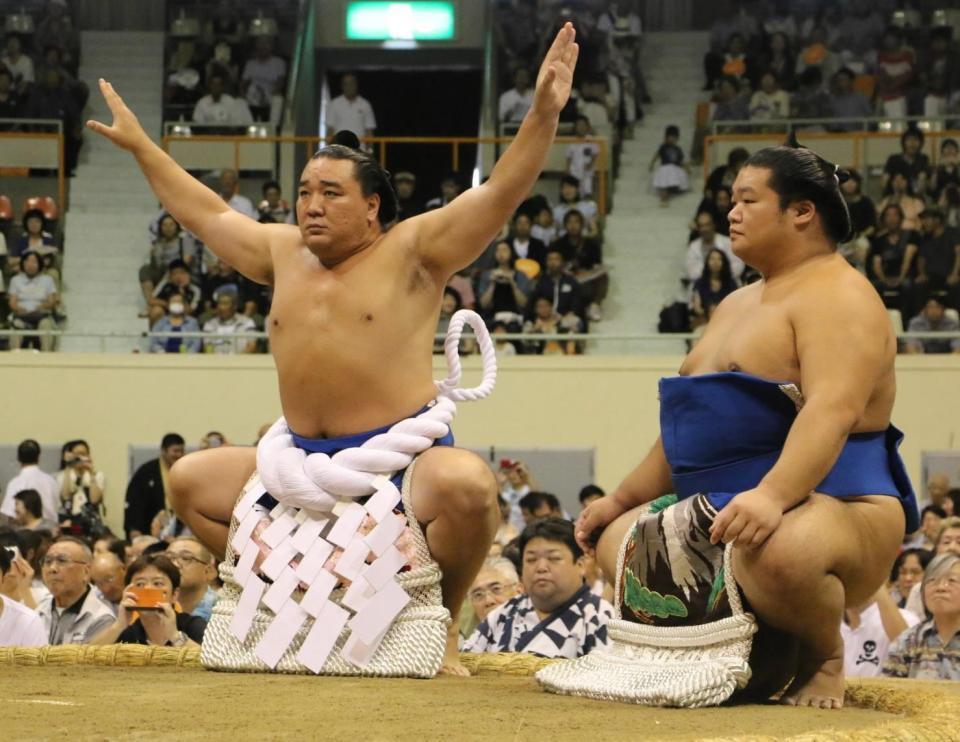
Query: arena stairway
110 203
644 243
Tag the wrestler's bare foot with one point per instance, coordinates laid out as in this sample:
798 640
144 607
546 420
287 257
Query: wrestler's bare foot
823 690
451 654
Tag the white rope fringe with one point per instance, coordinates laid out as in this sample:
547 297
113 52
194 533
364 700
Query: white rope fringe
318 517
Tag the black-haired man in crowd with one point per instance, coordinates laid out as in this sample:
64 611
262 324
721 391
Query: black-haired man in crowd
31 477
557 615
148 492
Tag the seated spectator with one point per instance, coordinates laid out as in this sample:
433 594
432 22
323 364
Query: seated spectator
217 107
931 518
20 626
867 631
172 244
163 627
938 256
896 64
724 175
779 59
449 306
584 259
544 227
947 542
557 616
408 203
263 79
55 29
731 105
503 347
175 320
515 481
538 505
36 239
29 512
515 103
255 300
33 300
503 288
177 283
350 111
770 102
589 494
82 488
547 321
863 222
225 26
198 570
716 282
582 156
229 190
462 282
52 99
723 29
562 290
19 64
53 59
450 188
847 102
817 53
75 613
911 161
718 207
273 209
899 191
933 319
947 172
890 260
222 278
228 322
522 241
495 584
570 198
11 103
931 649
31 477
810 100
185 66
709 239
107 573
735 63
908 571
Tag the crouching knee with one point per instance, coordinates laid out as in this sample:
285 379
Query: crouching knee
462 483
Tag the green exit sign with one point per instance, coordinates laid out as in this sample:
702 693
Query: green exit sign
393 21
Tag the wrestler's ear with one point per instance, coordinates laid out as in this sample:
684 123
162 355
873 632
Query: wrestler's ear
803 213
373 208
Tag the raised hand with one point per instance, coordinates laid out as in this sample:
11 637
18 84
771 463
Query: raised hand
555 78
125 132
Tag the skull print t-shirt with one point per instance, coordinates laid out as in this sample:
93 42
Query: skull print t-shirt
865 647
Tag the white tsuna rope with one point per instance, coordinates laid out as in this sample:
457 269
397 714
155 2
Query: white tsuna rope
315 481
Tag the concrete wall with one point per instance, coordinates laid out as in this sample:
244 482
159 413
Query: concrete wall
606 403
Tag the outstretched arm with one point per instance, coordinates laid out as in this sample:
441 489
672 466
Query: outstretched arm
453 237
237 239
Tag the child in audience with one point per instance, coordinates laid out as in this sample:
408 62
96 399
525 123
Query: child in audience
670 176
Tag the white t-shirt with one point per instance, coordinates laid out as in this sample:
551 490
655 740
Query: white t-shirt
22 69
228 111
587 208
20 626
514 105
32 477
263 74
244 205
237 323
346 115
865 648
581 162
32 292
696 256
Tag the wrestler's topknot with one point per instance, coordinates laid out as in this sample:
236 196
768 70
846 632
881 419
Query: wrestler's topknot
800 174
372 177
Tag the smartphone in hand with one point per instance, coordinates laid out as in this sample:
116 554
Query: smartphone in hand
148 598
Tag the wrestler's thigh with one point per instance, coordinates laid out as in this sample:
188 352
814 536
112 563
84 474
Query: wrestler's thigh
209 482
608 547
451 480
854 540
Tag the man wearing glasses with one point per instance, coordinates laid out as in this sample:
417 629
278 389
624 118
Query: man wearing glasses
197 571
76 612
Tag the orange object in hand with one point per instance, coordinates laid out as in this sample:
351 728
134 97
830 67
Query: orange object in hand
148 598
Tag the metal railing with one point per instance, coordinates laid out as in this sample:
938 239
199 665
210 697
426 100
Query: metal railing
593 340
863 123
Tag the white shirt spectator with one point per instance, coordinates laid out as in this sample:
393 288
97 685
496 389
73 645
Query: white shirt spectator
22 69
865 647
32 477
584 206
263 74
581 162
237 323
351 115
228 111
78 623
20 626
697 253
32 292
244 205
514 105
